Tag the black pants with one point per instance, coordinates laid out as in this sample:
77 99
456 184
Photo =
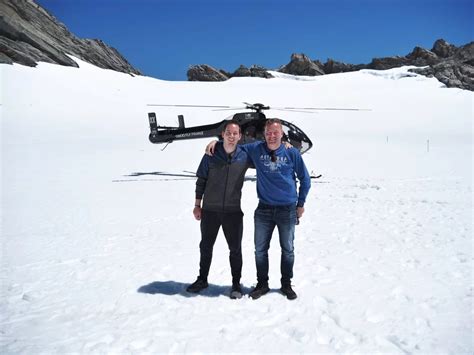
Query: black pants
232 225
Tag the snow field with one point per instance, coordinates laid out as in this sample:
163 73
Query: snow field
99 242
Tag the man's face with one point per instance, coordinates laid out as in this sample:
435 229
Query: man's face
231 135
273 134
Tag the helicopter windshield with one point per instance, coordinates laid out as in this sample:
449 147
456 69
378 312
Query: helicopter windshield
296 137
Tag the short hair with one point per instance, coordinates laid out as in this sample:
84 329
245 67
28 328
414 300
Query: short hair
231 122
271 121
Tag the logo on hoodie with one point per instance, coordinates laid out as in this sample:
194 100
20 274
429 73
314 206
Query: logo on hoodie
273 166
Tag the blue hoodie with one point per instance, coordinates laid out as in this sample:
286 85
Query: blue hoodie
276 181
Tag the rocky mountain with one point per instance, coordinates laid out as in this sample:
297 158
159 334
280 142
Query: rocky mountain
451 65
29 34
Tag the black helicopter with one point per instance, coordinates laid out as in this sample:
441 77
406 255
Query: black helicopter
252 125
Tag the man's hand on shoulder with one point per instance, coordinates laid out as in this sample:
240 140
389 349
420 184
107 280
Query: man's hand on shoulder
210 148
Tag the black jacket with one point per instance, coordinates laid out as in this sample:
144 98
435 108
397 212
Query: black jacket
220 179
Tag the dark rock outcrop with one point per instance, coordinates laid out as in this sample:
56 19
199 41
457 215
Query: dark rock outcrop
242 71
300 64
451 65
387 63
29 34
331 66
443 49
253 71
205 72
421 57
457 70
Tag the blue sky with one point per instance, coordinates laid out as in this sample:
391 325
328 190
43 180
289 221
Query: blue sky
162 38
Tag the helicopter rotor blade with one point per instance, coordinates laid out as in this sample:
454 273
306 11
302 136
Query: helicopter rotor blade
257 106
286 110
230 109
323 108
205 106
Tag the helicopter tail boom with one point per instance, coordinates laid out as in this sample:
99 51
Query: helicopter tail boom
165 134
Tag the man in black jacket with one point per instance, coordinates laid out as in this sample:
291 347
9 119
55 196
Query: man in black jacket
219 187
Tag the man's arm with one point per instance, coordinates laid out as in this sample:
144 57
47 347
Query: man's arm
247 147
211 147
305 183
201 182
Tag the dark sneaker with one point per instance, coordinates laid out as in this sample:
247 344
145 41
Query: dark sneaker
197 286
259 290
236 292
288 292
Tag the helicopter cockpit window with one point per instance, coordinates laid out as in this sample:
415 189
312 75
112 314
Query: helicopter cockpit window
250 132
295 140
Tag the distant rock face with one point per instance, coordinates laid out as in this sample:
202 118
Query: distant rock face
387 63
443 49
451 65
457 70
29 34
205 72
254 71
331 66
300 64
419 57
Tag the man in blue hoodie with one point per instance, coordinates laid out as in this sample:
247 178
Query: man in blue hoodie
280 204
219 188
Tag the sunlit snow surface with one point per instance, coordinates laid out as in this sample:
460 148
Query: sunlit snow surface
99 241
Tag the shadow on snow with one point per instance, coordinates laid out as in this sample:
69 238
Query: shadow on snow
172 288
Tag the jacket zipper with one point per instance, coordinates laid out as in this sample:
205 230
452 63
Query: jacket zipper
226 179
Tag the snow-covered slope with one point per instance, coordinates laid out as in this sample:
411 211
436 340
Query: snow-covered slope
99 243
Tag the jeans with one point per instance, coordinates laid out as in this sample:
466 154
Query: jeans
266 218
232 225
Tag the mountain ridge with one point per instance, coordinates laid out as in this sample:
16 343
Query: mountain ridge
451 65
